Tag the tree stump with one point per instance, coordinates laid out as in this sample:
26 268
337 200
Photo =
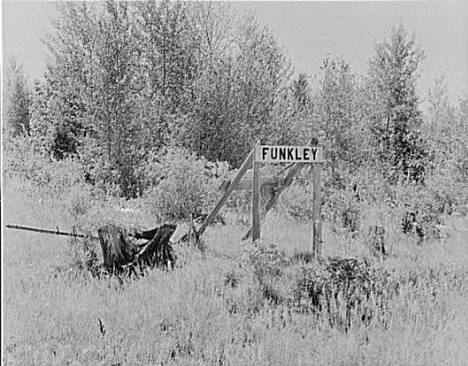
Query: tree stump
158 251
116 251
376 240
351 220
411 225
120 251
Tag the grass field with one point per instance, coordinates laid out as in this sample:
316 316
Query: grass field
210 311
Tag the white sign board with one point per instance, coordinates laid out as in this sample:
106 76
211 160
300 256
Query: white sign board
287 154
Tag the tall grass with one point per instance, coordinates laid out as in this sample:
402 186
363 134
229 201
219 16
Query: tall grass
214 310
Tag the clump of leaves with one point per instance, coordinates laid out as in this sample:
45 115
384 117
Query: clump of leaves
264 259
296 201
268 267
422 204
342 208
339 288
184 185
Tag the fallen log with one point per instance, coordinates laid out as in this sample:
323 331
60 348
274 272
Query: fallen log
148 235
46 231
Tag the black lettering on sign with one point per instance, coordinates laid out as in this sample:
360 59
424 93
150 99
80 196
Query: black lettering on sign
274 153
314 153
288 153
282 153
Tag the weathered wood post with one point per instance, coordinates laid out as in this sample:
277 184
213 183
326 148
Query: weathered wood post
256 219
242 170
317 208
276 194
317 212
263 153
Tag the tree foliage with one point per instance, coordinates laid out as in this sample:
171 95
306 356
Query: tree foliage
17 101
127 79
126 82
397 119
335 105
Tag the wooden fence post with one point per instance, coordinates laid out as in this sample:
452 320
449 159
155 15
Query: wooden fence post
276 194
256 198
317 212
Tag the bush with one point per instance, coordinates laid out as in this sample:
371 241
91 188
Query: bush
265 260
60 182
345 290
343 207
28 160
185 185
297 201
421 208
447 193
270 272
25 158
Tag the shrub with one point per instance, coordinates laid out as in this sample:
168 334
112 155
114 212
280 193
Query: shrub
343 207
344 290
265 260
340 202
268 267
297 201
421 207
185 185
447 193
61 183
25 158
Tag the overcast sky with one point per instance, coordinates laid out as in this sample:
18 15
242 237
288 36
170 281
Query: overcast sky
307 31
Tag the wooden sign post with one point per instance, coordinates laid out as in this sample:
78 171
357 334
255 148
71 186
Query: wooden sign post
297 155
275 154
317 212
256 198
285 183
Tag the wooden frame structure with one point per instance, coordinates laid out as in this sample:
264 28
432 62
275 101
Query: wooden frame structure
255 231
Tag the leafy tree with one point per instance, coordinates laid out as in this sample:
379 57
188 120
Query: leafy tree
237 92
440 108
17 100
288 119
336 110
447 130
93 72
440 127
262 73
460 143
41 127
169 47
303 110
211 106
396 122
302 93
70 76
118 130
